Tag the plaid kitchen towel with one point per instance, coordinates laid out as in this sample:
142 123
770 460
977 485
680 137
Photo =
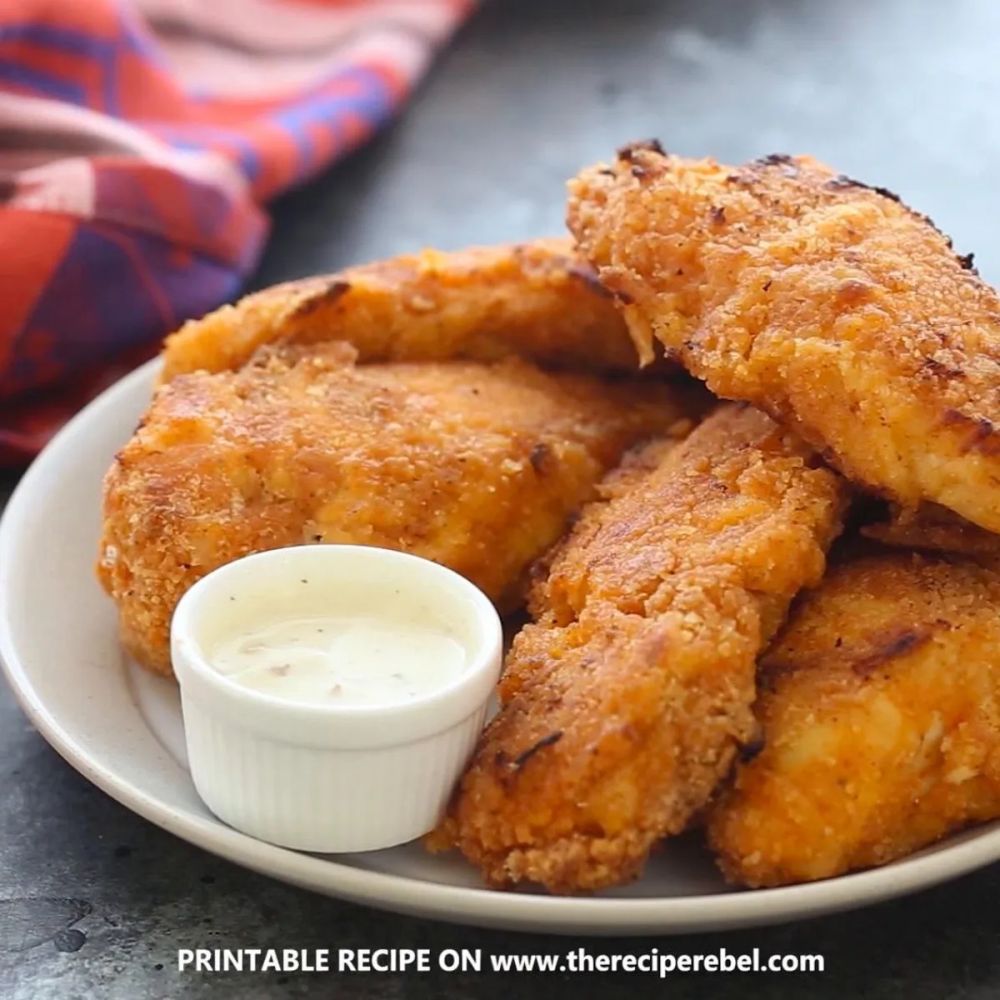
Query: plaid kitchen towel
138 139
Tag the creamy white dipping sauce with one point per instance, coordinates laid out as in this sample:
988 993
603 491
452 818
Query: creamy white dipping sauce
342 659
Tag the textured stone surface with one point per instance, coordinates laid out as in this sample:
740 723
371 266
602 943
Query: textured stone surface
95 902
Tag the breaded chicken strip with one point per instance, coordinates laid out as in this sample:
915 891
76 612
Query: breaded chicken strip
625 703
931 528
538 301
475 466
829 304
880 709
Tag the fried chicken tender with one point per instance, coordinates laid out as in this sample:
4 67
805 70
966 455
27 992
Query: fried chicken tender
537 301
826 303
626 701
931 528
473 465
881 723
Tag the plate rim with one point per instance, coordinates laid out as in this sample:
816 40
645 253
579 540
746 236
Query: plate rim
405 894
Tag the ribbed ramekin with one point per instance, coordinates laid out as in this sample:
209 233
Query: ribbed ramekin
328 778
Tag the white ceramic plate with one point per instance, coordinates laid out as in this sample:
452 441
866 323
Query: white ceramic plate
122 730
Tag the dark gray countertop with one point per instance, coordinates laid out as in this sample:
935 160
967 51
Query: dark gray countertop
902 93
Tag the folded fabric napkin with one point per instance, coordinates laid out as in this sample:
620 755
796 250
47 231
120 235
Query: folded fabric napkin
138 141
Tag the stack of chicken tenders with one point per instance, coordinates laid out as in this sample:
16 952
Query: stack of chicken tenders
735 447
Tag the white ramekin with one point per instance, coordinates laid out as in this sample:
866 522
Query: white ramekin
319 777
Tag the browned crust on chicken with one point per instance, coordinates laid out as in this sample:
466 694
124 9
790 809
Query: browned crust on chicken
538 301
827 303
880 712
931 528
623 705
477 466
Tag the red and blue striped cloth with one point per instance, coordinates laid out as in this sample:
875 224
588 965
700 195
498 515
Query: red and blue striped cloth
138 140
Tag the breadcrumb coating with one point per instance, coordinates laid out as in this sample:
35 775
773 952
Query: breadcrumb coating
880 713
538 301
931 528
825 302
625 702
476 466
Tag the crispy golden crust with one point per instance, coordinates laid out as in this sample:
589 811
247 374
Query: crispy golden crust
624 704
931 528
881 723
535 300
476 466
826 303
